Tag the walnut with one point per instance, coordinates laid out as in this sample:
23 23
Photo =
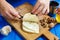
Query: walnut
51 25
47 21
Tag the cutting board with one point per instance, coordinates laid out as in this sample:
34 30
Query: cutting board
23 9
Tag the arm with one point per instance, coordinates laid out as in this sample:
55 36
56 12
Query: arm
7 10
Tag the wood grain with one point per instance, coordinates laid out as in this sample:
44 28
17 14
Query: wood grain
23 9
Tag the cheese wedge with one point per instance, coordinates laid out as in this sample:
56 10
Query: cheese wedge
30 23
30 17
33 27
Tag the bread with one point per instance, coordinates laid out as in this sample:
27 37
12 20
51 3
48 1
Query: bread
30 23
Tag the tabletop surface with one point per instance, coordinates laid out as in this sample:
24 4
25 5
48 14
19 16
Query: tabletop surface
14 35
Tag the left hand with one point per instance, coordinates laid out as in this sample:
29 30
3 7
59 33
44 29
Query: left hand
41 7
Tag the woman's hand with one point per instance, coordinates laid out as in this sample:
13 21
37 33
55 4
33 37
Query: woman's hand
57 11
41 7
7 10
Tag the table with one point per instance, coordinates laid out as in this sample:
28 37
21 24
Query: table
14 35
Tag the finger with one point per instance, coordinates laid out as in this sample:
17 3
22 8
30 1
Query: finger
15 13
40 14
44 10
36 7
5 16
47 11
55 11
39 9
58 13
9 15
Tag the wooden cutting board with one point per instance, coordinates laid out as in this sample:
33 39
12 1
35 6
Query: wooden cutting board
23 9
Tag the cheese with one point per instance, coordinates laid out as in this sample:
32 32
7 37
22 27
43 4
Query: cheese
30 17
30 23
6 30
31 26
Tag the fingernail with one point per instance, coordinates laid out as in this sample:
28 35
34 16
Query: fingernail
18 16
35 12
56 11
32 13
21 16
32 10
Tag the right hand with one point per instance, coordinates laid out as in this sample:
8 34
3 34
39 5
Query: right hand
41 7
7 10
57 11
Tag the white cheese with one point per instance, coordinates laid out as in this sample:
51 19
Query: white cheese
6 30
30 23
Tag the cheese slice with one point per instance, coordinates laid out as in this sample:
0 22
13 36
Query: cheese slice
30 23
30 17
32 27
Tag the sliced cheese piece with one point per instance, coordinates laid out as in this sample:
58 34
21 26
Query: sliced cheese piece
27 30
30 17
32 27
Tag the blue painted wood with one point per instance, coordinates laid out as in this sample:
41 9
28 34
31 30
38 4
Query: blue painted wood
14 35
